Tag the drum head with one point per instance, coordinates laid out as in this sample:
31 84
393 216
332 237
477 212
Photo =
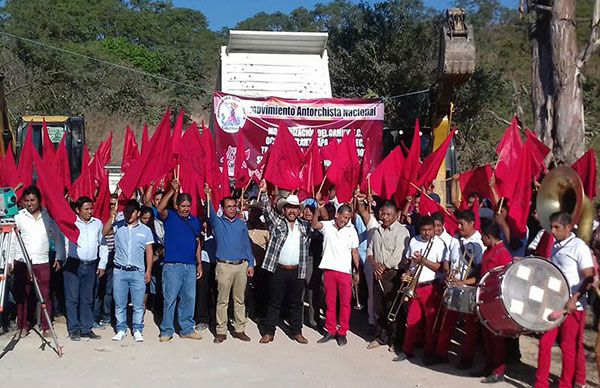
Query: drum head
533 288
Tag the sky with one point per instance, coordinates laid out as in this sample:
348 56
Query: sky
227 13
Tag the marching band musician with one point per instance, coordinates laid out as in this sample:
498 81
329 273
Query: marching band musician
574 259
471 248
449 265
426 250
496 255
384 253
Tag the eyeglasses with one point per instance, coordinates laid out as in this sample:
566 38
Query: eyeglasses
113 204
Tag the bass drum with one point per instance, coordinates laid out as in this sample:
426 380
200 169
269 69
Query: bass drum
520 297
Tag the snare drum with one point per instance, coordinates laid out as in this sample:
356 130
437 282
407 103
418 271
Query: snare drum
460 298
520 297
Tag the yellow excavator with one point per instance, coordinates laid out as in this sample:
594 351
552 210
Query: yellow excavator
456 65
72 126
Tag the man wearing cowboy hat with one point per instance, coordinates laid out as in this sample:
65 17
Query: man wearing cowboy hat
285 260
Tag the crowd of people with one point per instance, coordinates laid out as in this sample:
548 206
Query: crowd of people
272 258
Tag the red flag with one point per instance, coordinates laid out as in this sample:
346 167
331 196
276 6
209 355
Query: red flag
508 151
54 201
102 203
344 171
223 188
177 133
25 165
208 155
285 161
431 165
410 172
192 170
47 148
539 151
153 163
9 169
259 173
145 137
84 185
427 206
520 198
386 175
586 168
312 169
241 178
60 165
130 150
329 151
477 181
102 157
368 162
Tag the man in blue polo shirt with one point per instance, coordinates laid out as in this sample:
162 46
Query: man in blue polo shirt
132 269
235 262
182 264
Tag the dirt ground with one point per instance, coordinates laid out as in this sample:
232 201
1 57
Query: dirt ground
26 362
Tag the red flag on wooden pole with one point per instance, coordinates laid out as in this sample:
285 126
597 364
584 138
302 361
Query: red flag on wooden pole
312 169
285 161
344 171
241 178
130 150
586 168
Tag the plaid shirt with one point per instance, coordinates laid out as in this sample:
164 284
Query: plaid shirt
278 226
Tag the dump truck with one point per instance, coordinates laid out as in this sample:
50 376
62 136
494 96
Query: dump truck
295 65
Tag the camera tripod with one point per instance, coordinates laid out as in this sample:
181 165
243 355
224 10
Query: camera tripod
8 231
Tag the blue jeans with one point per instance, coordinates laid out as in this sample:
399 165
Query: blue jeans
178 283
80 279
103 297
125 283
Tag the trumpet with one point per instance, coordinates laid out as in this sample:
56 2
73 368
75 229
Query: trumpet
408 286
357 305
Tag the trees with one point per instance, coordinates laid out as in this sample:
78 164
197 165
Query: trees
557 74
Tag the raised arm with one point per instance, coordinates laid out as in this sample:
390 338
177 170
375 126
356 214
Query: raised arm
267 209
148 194
164 202
315 223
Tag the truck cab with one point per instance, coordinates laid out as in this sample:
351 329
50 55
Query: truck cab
73 127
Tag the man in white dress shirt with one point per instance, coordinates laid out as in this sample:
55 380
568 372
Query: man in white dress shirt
37 230
81 269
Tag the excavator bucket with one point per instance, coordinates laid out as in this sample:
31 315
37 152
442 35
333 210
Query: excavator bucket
457 49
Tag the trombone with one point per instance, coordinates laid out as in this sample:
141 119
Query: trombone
408 286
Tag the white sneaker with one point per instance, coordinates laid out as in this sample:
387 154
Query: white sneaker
137 336
119 336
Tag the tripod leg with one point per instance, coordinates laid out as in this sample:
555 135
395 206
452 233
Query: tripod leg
38 292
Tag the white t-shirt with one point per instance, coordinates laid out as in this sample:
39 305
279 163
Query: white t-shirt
452 245
474 245
290 251
571 256
436 255
337 246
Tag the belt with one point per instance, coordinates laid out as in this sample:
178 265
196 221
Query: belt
232 262
424 284
128 268
84 262
287 267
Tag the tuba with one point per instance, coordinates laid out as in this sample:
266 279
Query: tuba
562 191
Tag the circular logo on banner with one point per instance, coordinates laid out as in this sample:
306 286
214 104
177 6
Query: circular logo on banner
230 113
